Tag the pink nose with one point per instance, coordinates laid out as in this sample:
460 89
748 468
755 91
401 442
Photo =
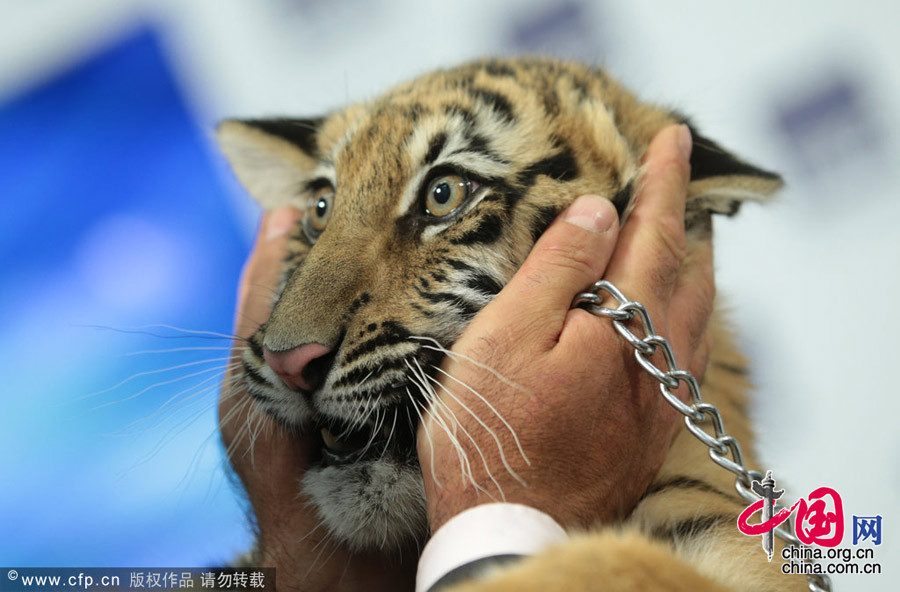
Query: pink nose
296 366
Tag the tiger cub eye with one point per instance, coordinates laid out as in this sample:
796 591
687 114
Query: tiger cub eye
319 211
445 193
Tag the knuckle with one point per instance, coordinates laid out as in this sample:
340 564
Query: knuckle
580 328
576 261
660 279
702 277
670 235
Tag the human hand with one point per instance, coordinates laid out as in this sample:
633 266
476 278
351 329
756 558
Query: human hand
270 461
591 422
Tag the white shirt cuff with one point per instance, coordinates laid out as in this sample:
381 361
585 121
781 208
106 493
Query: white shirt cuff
485 531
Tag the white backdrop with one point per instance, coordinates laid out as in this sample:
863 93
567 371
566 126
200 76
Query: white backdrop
807 88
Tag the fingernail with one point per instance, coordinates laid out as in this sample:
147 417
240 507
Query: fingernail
591 212
685 142
279 223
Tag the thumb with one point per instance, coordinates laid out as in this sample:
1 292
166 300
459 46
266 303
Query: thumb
260 275
571 255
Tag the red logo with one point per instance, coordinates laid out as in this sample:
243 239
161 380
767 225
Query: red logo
817 521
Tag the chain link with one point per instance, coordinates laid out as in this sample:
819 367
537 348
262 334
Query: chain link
724 450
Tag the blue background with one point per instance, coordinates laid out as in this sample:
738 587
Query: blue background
115 220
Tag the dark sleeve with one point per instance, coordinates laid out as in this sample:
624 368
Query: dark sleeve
473 570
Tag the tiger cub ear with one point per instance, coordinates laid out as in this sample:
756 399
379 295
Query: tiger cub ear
721 182
272 158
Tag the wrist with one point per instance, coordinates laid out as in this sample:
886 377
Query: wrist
443 503
477 538
567 508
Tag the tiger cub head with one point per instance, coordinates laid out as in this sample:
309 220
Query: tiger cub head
418 207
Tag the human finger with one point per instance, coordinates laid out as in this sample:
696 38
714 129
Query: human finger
262 270
692 300
258 280
571 255
653 243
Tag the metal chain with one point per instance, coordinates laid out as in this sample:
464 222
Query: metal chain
724 450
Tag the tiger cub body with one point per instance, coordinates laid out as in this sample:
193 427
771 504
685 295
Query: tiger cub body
419 206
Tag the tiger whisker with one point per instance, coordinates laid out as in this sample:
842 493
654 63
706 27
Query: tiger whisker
189 333
239 437
487 428
182 401
390 433
320 524
229 379
239 408
435 400
427 429
251 415
469 435
149 373
263 426
326 540
173 432
458 356
195 459
493 410
379 419
229 417
221 368
178 427
184 349
360 419
432 411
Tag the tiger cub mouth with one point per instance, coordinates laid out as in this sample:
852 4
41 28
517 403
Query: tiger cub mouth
342 443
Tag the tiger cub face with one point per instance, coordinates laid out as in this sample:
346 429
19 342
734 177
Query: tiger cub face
418 207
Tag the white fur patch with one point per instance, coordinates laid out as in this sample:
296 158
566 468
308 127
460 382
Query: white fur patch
375 504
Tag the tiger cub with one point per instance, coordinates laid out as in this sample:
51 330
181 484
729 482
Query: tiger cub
419 206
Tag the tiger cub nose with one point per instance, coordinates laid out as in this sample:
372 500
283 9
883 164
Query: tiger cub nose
303 368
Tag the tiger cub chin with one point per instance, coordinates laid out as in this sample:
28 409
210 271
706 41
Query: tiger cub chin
419 206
